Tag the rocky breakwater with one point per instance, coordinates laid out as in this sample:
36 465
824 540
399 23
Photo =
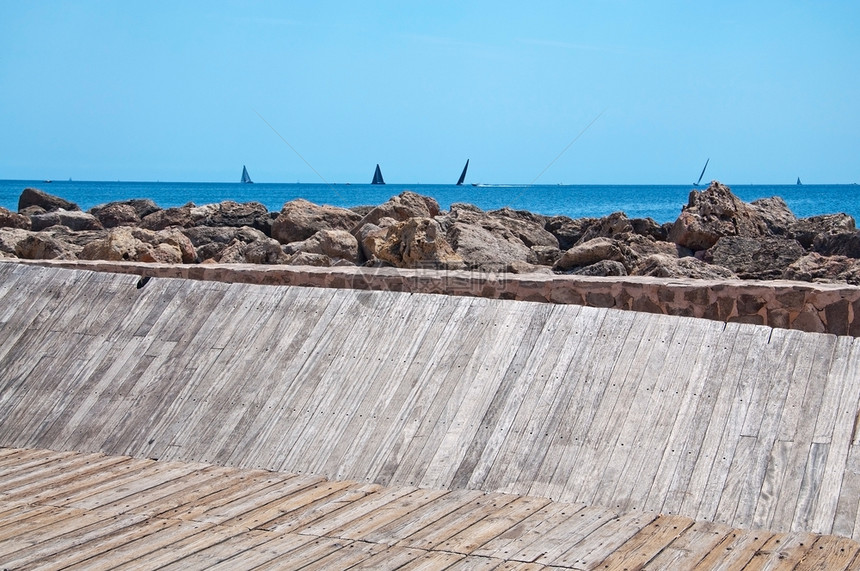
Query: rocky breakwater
716 236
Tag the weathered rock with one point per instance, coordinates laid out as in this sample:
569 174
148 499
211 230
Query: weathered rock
663 266
119 245
73 219
712 214
300 219
233 214
648 227
596 250
814 267
179 216
172 237
644 245
481 240
402 207
602 268
9 238
805 230
309 259
32 211
116 214
546 255
35 197
336 244
371 239
265 251
614 226
209 241
161 253
776 215
413 243
124 243
42 246
518 267
846 244
9 219
763 258
78 238
528 227
567 230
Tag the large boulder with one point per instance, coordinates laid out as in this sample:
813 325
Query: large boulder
763 258
483 241
602 268
233 214
402 207
712 214
845 244
140 245
806 230
210 241
39 198
72 219
567 230
264 250
9 238
596 250
124 212
179 216
528 227
42 246
775 214
814 267
615 226
413 243
336 244
300 219
9 219
663 266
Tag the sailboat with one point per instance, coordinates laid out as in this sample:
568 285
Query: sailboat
463 174
798 181
377 176
246 178
703 172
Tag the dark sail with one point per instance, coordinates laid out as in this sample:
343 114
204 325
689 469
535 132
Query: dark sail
798 181
377 176
463 174
245 176
703 172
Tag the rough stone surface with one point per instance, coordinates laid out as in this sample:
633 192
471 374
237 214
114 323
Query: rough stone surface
9 219
775 214
761 258
42 246
602 268
805 230
336 244
663 266
844 244
233 214
300 219
73 219
413 243
116 214
567 230
179 216
402 207
526 226
596 250
35 197
9 238
814 267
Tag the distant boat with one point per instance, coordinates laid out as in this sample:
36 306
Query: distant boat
798 181
246 178
377 176
703 172
463 174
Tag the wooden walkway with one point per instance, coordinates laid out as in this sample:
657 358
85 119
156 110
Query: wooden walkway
62 510
738 425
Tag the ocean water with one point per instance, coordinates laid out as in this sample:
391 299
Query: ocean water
661 202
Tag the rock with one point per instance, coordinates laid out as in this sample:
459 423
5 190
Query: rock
413 243
300 219
402 207
42 246
567 230
481 240
171 237
645 246
528 227
9 238
602 268
649 228
546 255
124 243
593 251
233 214
119 245
209 241
336 244
78 239
805 230
814 267
775 214
116 214
371 239
264 250
73 219
32 210
614 226
712 214
35 197
846 244
162 253
663 266
309 259
9 219
526 268
763 258
179 216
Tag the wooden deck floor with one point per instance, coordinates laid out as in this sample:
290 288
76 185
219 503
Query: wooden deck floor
62 510
738 425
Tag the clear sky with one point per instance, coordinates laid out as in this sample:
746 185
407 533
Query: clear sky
171 91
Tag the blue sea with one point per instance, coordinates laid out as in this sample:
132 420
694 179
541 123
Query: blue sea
661 202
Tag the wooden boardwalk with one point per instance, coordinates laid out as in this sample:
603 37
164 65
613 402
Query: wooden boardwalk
63 510
737 425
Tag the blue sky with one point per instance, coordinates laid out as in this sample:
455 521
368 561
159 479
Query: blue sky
171 91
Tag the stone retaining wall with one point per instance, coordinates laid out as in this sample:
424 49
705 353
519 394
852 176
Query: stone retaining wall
822 308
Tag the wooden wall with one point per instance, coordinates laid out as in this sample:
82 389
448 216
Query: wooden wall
739 424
